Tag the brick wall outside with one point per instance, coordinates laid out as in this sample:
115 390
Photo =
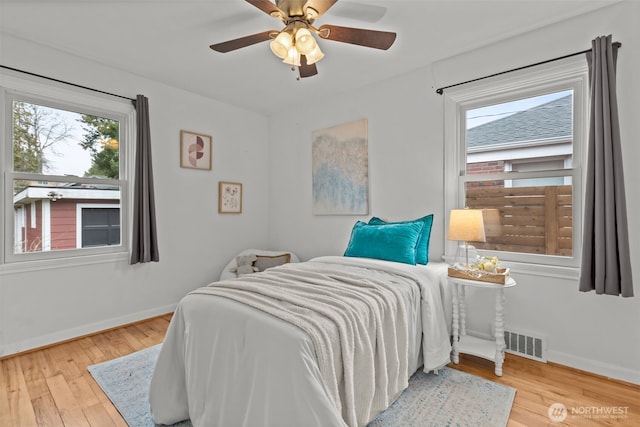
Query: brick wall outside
482 168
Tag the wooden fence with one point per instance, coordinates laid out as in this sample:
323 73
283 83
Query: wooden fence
526 219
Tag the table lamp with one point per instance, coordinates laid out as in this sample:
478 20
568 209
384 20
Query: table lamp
466 225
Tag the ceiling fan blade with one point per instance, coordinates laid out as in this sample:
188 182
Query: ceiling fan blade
361 37
320 7
267 7
234 44
305 69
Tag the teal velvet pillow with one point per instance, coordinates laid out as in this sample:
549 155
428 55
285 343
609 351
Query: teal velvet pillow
390 242
422 250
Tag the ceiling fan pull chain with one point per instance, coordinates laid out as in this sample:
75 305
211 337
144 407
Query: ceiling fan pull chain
293 68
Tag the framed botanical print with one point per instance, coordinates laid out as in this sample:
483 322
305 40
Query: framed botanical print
229 197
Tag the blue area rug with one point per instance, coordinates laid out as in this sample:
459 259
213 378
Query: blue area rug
451 398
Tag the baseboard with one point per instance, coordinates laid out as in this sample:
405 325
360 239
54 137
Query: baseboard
588 365
593 366
92 328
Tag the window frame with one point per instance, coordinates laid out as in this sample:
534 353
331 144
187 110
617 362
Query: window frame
54 95
553 77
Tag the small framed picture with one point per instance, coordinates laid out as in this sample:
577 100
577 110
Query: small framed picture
195 150
229 197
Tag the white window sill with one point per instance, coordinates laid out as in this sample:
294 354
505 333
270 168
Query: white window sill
54 263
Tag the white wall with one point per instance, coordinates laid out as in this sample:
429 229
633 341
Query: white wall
41 306
595 333
405 163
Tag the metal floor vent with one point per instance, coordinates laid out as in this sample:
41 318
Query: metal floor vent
526 345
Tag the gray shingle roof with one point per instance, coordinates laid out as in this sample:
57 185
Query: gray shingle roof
549 120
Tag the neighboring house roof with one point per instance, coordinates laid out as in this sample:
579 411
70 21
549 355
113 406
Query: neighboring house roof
552 120
33 193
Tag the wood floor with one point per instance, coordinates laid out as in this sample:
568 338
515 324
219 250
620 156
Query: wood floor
52 387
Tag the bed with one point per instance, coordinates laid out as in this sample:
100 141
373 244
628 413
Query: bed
226 363
327 342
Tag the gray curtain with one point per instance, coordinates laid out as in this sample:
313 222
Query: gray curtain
606 264
144 243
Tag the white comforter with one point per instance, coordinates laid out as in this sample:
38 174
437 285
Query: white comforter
226 363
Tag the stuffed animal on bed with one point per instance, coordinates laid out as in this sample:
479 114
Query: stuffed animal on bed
244 265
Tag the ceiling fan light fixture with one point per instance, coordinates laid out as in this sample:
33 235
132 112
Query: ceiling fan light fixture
281 45
314 56
296 44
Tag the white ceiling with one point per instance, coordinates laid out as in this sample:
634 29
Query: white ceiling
168 40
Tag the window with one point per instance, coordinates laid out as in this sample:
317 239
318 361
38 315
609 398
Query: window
65 154
100 226
514 149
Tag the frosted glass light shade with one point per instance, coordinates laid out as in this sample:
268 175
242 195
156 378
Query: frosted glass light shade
293 42
315 55
293 57
281 44
305 42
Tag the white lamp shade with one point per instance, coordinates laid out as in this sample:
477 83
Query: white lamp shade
281 44
466 225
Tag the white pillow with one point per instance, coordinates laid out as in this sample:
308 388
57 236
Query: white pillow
226 274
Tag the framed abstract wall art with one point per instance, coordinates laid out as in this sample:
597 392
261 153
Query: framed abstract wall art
340 165
229 197
195 150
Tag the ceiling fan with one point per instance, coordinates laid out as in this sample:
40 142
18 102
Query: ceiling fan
295 44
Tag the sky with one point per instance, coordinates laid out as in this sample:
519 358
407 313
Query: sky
490 113
68 157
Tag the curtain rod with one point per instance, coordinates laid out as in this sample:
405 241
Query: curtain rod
67 83
439 91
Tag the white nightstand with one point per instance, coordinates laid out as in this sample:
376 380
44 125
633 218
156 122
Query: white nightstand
463 343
